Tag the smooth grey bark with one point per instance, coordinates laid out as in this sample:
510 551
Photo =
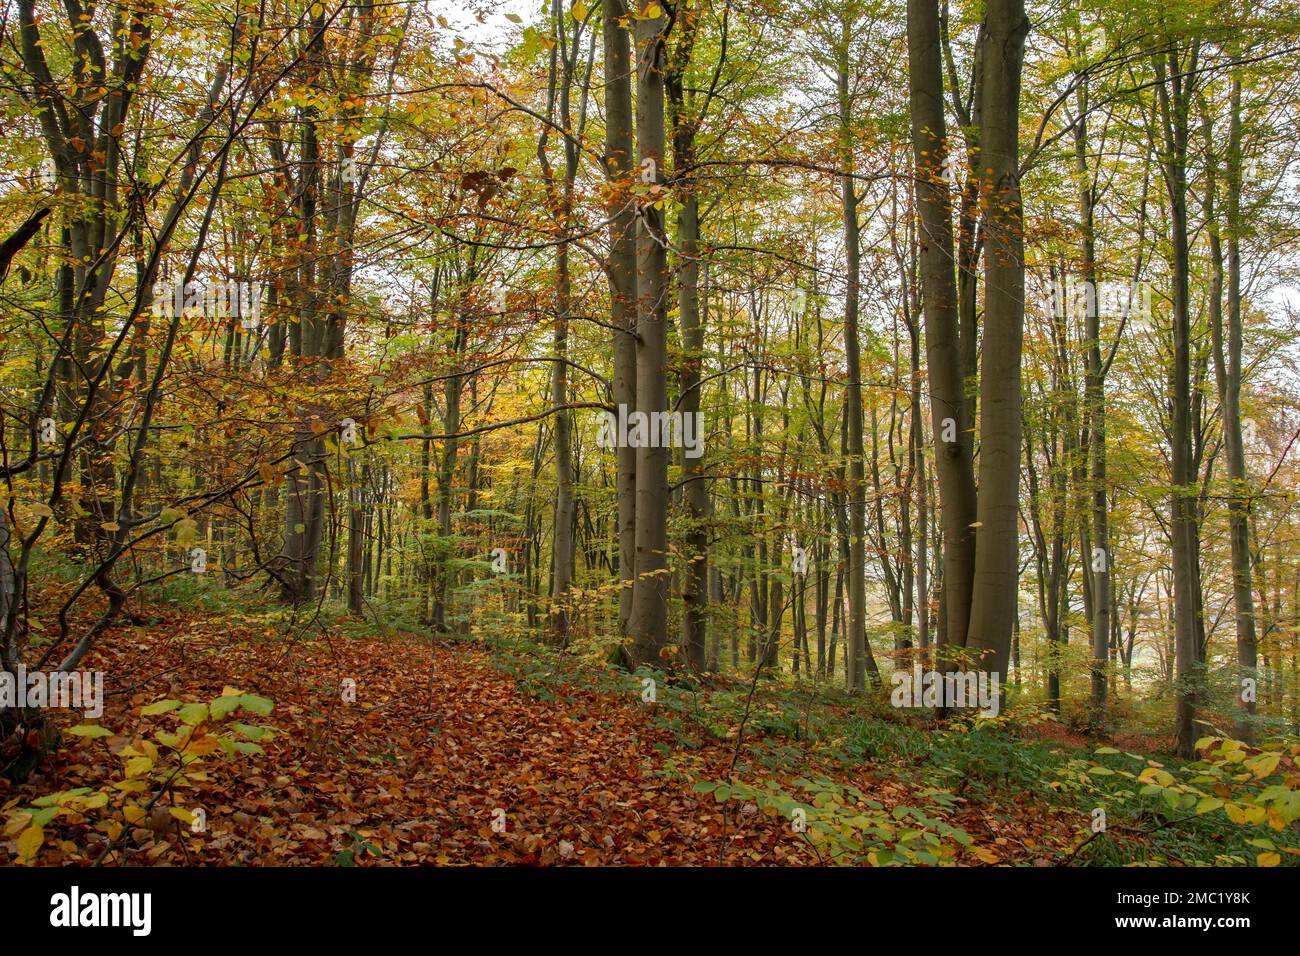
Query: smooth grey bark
1226 343
356 540
453 388
685 123
1174 88
564 64
1097 561
621 275
1048 538
950 422
856 628
996 575
648 626
1247 648
967 109
917 441
6 574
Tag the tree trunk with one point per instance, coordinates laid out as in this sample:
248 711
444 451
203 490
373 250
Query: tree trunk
1227 368
856 626
622 275
1099 561
951 427
695 594
648 626
996 577
1174 82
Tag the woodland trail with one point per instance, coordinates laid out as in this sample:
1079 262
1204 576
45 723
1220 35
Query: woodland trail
416 771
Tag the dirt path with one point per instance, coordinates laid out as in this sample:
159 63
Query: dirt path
470 770
466 769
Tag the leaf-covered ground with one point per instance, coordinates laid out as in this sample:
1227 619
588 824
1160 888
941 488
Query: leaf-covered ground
416 770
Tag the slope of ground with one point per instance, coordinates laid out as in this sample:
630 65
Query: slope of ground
451 759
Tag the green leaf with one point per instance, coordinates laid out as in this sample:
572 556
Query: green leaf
44 815
91 731
159 707
252 731
223 707
239 746
256 705
195 713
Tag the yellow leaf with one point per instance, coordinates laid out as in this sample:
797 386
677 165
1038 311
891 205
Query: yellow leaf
202 746
1268 859
29 843
133 813
1263 765
187 532
1156 776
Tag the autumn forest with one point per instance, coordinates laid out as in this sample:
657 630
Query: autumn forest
664 432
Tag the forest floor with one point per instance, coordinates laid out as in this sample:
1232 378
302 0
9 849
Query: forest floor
439 741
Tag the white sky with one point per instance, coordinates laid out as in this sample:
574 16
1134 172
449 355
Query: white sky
495 30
